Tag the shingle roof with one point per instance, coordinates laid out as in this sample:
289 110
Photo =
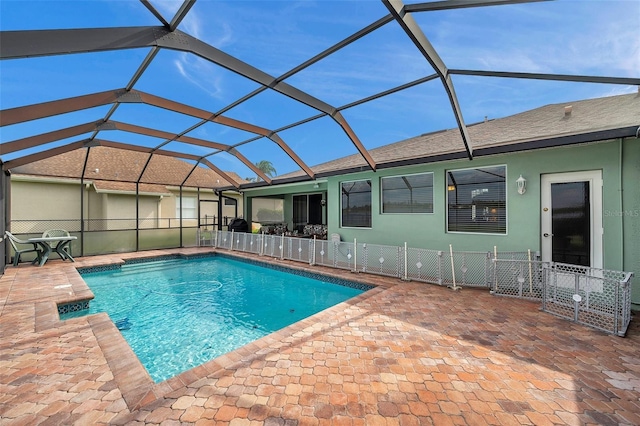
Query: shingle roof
107 164
587 116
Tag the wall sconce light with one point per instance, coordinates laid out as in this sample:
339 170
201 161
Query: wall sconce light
316 186
323 202
451 188
522 185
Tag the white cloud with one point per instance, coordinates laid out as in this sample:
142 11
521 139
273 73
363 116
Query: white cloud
201 74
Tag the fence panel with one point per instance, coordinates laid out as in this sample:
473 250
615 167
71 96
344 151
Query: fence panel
272 246
470 269
335 254
424 265
518 278
252 243
322 253
298 249
590 296
223 240
379 259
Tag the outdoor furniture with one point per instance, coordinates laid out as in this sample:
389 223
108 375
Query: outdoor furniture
61 243
14 243
66 247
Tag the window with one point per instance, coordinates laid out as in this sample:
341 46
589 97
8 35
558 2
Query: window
407 194
189 207
356 203
477 200
267 210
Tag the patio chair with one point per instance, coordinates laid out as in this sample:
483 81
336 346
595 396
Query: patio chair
14 243
58 233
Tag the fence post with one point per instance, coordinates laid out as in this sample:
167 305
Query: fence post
617 307
262 244
355 255
576 297
530 277
453 269
495 268
231 246
312 258
282 246
440 267
406 273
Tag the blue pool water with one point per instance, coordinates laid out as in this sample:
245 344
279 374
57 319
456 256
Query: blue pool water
177 314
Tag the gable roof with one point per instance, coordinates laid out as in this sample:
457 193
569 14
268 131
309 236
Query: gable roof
551 125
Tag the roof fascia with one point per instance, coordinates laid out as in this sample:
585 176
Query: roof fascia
292 183
553 142
123 192
19 177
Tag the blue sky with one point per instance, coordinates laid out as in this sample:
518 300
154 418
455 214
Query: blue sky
598 38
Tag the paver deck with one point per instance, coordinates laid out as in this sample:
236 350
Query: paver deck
404 353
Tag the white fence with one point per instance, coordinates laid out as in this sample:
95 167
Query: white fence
594 297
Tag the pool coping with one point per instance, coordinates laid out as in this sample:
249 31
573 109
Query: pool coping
137 387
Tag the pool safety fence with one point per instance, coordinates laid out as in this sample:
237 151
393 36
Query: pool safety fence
593 297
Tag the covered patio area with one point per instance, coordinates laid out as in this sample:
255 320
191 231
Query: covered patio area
403 353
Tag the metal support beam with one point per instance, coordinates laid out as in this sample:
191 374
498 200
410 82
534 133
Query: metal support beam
461 4
45 138
21 44
41 155
48 109
413 30
553 77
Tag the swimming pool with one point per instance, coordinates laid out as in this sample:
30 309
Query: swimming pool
179 313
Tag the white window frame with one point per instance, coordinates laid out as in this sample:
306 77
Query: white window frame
188 212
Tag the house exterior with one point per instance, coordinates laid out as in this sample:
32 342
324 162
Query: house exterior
561 181
51 193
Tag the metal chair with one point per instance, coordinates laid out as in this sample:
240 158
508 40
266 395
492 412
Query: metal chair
14 243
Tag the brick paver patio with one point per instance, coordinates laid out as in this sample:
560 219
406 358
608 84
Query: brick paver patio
404 353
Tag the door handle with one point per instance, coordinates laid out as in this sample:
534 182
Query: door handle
547 235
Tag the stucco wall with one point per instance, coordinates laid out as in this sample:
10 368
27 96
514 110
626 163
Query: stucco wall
630 212
523 211
41 200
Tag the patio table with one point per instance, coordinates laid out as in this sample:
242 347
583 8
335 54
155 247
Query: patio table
47 248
